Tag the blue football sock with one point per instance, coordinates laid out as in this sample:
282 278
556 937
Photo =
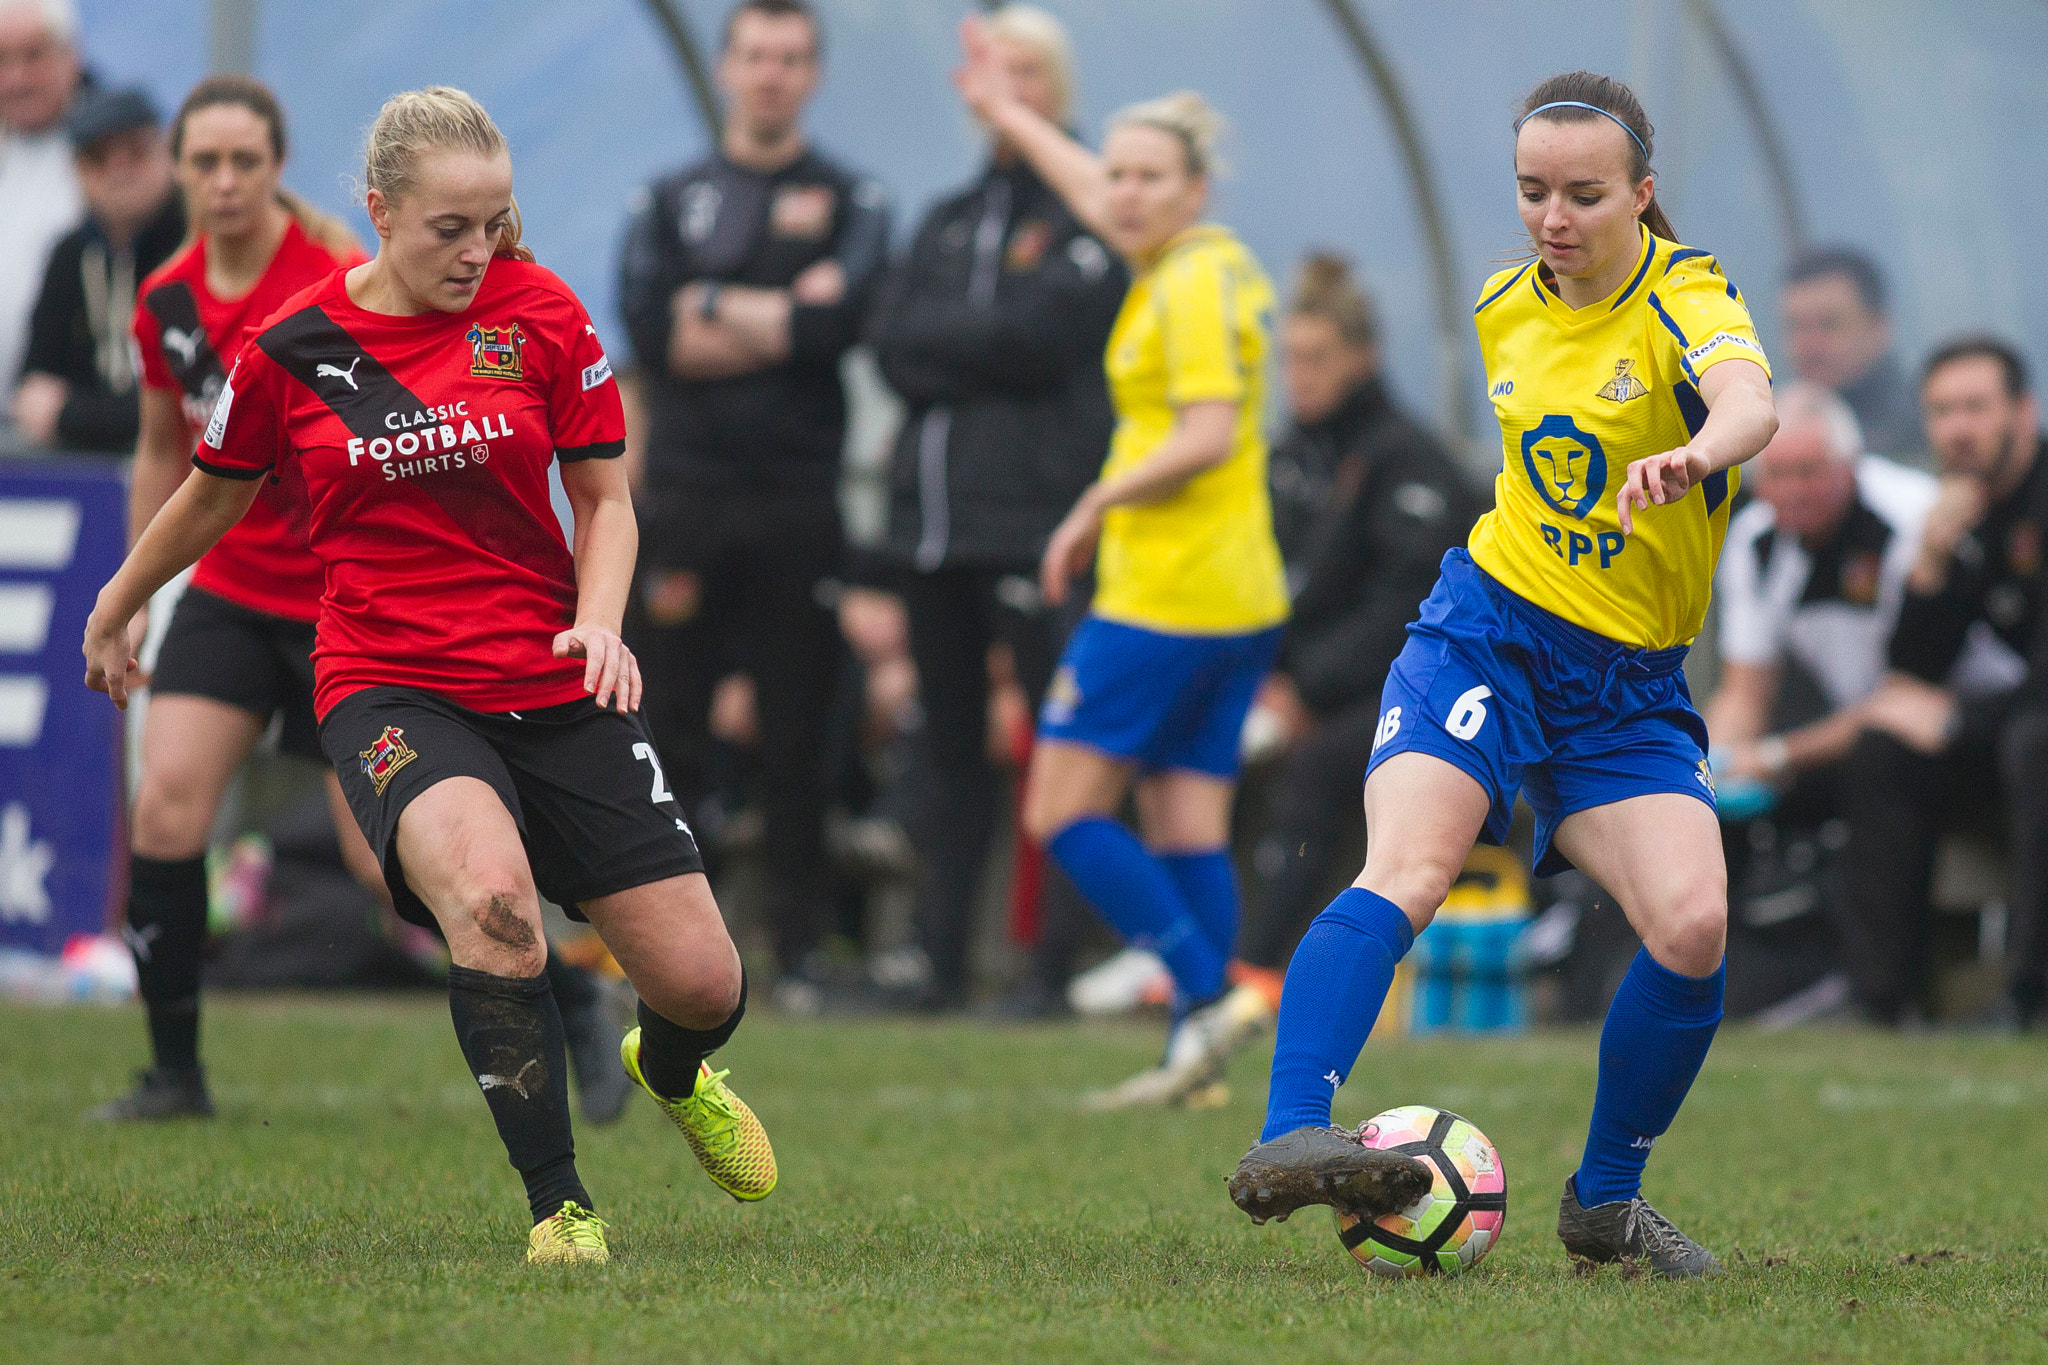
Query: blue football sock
1133 891
1336 984
1656 1037
1209 883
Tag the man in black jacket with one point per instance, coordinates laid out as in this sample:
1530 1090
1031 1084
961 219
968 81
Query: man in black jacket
1962 721
78 382
743 280
1365 503
992 331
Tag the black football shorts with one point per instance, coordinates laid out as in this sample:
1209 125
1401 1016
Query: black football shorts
582 782
251 660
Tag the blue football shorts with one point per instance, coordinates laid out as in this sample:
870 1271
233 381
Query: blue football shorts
1157 699
1527 702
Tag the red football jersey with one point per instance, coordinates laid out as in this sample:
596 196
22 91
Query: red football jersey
423 445
185 334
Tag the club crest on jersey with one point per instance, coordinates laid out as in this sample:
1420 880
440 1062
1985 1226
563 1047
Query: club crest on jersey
384 758
1566 465
497 352
1624 385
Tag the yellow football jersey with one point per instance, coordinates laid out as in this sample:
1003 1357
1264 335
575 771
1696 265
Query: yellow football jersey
1580 393
1194 328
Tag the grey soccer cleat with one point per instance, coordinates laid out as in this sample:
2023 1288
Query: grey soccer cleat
1628 1230
1326 1166
159 1093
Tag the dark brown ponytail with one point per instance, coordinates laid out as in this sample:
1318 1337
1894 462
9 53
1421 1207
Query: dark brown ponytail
1607 96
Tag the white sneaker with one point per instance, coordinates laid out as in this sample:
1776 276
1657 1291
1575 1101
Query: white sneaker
1120 984
1206 1039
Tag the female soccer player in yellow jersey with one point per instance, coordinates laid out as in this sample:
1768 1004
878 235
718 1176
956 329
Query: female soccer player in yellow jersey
1190 594
1629 385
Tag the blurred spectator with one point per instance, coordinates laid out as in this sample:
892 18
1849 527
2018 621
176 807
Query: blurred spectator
1809 588
1365 503
79 386
992 331
1840 334
39 198
744 279
1962 720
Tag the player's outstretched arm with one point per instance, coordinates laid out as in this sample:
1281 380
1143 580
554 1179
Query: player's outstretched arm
1074 172
205 507
607 544
1740 421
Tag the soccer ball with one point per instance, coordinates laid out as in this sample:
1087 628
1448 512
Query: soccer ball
1457 1222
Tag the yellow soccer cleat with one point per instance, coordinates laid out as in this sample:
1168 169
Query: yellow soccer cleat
572 1235
729 1141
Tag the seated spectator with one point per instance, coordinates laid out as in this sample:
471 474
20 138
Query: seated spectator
1809 588
1840 335
1365 503
992 331
79 385
1961 719
39 74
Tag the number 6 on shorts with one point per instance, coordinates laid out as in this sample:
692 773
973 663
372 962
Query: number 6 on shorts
1467 715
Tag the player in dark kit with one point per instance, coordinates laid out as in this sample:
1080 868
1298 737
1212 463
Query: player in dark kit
473 692
743 281
238 650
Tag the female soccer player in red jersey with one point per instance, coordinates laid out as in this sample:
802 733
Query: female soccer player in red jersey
474 695
239 646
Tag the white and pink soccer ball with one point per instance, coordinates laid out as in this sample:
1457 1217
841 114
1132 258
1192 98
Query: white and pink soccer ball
1449 1229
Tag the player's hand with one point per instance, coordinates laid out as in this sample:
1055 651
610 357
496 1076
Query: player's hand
981 78
110 665
1659 479
611 673
1070 551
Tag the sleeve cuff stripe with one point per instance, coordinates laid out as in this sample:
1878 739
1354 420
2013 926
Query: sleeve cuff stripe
602 450
221 471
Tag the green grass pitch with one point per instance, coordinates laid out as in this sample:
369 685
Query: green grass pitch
942 1199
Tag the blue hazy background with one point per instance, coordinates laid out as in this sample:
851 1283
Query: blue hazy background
1915 130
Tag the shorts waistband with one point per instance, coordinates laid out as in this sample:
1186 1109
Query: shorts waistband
1588 646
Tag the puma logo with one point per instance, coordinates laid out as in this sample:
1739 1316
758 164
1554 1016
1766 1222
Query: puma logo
325 371
186 344
516 1081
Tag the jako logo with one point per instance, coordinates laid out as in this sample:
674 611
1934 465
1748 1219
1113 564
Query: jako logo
1502 389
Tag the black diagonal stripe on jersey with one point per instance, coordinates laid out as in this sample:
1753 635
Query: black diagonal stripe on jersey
477 501
196 366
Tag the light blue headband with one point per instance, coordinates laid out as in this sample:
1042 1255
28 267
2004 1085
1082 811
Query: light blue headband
1581 104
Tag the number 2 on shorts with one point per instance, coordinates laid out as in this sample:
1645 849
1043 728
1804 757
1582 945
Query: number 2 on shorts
1467 715
661 792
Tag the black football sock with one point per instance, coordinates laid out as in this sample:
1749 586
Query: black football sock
670 1054
511 1035
166 931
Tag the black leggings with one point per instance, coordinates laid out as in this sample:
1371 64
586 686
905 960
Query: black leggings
1316 802
956 614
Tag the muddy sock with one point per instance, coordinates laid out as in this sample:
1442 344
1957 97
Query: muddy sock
166 931
671 1054
511 1035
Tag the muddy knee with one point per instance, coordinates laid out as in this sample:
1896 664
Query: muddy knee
506 933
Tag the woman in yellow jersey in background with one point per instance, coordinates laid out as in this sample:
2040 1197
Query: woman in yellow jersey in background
1629 385
1190 594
